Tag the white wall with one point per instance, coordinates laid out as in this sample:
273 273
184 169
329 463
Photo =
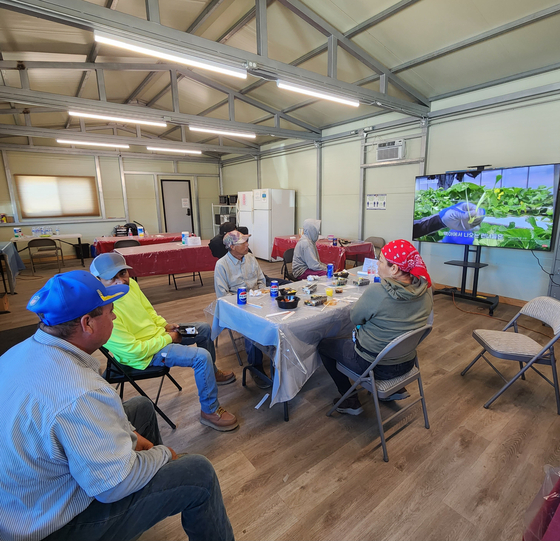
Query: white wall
523 133
141 190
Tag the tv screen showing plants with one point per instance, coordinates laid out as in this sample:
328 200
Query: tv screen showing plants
505 208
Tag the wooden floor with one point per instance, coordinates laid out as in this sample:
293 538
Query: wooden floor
470 476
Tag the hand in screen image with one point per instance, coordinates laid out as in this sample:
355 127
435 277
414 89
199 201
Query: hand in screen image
462 216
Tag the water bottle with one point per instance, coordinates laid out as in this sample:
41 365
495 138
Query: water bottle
57 230
129 232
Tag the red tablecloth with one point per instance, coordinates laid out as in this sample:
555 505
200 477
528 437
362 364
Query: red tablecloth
107 244
169 258
327 252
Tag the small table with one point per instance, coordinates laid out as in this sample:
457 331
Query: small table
292 341
327 252
59 238
107 244
168 258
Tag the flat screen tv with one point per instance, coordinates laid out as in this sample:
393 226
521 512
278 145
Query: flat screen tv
507 208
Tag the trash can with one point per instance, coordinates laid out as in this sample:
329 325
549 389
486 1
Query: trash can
82 250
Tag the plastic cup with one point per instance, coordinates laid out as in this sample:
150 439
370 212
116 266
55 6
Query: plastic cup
329 291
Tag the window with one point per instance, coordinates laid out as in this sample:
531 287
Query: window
56 197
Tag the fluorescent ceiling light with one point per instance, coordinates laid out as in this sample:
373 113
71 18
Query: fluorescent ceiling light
161 52
118 119
177 150
316 94
224 132
112 145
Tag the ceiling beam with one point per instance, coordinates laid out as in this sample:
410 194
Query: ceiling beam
480 38
350 47
206 12
49 133
34 97
90 16
241 23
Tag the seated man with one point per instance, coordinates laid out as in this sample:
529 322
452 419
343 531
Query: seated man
306 257
216 245
141 338
73 464
402 302
239 268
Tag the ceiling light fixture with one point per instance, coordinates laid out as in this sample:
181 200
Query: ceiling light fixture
118 119
316 94
177 150
90 143
160 52
224 132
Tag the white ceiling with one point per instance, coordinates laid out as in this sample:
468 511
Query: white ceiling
423 27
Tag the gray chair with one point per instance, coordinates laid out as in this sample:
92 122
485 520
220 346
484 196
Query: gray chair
400 346
520 348
378 243
43 248
125 243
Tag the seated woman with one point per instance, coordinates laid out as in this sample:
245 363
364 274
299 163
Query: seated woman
402 302
306 257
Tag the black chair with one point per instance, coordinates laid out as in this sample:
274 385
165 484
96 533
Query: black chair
120 374
125 243
288 258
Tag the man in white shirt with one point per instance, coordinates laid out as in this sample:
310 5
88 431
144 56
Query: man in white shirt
76 462
239 268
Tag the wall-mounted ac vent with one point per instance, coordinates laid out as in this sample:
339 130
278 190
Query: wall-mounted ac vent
390 150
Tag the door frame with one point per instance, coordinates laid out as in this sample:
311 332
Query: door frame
162 180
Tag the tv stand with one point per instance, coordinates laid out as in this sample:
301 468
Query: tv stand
492 301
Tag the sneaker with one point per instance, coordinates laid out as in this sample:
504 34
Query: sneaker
260 382
223 378
219 420
401 394
349 406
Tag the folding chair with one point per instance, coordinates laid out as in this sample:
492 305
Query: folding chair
400 346
517 347
43 248
125 243
288 258
120 374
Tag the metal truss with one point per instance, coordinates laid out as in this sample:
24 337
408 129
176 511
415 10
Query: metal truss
92 17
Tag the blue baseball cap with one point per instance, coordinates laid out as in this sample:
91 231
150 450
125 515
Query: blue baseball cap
107 266
72 295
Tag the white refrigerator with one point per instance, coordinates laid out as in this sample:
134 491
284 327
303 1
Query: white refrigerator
274 214
245 213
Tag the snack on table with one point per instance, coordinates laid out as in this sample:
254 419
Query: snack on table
287 292
338 290
341 274
361 281
309 289
316 300
341 281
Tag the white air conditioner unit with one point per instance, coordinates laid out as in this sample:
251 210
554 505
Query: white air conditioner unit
390 150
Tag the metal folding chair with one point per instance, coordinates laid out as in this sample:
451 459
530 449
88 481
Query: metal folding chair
517 347
385 388
120 374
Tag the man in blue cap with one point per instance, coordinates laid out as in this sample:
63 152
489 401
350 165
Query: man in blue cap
142 338
76 462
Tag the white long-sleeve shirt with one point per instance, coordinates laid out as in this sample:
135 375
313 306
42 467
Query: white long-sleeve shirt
65 439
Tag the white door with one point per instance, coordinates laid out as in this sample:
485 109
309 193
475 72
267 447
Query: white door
177 205
261 234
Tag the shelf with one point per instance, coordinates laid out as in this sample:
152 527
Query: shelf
470 264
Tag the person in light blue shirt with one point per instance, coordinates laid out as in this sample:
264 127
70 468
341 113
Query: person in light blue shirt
238 268
76 462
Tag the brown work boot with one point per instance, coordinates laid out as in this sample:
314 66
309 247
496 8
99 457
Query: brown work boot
223 378
219 420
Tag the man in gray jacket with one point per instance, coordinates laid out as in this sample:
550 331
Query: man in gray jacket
306 257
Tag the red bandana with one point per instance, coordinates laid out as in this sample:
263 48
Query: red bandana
405 256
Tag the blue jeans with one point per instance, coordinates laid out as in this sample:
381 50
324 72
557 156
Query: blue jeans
254 354
342 350
197 358
203 339
187 485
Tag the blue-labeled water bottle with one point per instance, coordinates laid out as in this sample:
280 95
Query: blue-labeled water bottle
330 270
